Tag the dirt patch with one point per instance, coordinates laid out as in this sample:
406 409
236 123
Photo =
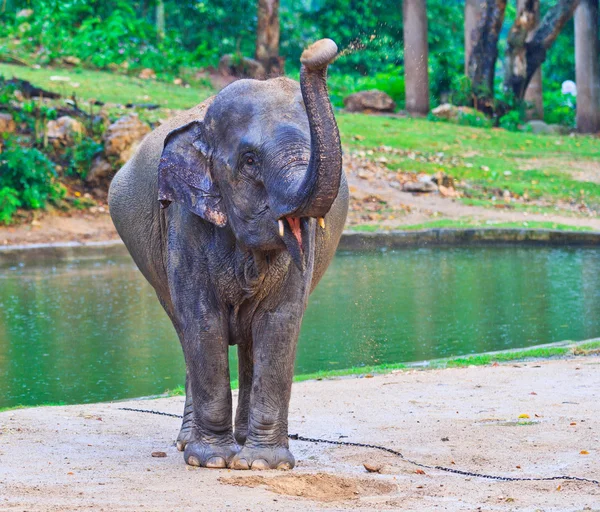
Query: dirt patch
320 486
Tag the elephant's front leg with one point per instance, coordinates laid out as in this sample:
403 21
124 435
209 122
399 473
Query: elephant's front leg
275 337
211 443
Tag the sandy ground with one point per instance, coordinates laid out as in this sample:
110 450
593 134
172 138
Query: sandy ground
97 457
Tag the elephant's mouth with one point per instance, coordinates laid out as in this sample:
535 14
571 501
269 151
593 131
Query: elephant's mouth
295 235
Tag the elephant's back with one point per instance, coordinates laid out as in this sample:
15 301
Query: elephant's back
133 198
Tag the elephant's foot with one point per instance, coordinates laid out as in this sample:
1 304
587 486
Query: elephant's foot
209 455
278 457
184 437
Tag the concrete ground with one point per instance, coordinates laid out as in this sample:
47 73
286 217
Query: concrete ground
518 419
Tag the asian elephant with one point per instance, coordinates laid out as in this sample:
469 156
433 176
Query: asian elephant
232 211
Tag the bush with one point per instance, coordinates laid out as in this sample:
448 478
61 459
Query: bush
9 202
559 109
81 156
30 175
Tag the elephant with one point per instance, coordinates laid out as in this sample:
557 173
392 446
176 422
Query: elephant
233 211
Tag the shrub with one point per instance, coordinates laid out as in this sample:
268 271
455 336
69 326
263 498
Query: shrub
81 156
9 202
30 174
559 108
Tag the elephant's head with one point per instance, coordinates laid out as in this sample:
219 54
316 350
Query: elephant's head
265 160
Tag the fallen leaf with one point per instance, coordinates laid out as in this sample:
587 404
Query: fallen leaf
420 472
572 423
524 416
70 473
559 488
584 452
159 454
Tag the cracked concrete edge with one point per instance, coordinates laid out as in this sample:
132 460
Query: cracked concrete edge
351 241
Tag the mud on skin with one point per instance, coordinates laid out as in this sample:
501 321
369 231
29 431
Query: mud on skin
233 211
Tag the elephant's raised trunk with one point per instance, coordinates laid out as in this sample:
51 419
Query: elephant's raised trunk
321 185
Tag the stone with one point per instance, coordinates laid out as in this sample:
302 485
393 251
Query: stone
365 101
241 67
453 113
71 60
99 171
147 74
424 185
64 130
7 123
539 127
122 138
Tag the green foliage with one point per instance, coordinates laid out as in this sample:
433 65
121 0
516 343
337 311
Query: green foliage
512 121
9 202
390 81
559 108
30 175
81 155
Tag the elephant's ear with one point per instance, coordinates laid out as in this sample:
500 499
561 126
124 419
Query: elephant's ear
184 174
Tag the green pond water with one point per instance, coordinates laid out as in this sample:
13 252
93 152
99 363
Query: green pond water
89 331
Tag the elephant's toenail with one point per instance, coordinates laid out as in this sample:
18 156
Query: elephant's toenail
240 464
284 466
215 462
180 446
260 464
193 461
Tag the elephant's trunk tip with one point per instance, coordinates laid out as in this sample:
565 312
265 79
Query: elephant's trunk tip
319 54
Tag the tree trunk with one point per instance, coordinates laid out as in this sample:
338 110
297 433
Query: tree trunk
484 54
416 57
587 67
473 10
533 93
267 37
528 43
160 19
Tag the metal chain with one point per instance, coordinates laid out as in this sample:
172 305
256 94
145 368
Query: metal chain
297 437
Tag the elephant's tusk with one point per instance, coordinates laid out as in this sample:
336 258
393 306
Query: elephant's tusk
280 228
322 222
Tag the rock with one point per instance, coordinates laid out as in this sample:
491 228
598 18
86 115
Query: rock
241 67
147 74
123 137
24 13
99 171
539 127
159 454
64 130
424 185
373 100
454 113
372 468
7 123
71 60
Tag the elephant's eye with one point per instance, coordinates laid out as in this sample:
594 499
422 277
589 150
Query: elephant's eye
249 160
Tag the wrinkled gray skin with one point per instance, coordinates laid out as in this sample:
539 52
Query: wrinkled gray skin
198 208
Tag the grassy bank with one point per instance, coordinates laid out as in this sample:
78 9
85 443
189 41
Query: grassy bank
469 223
561 349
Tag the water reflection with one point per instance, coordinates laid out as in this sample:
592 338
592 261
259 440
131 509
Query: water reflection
90 331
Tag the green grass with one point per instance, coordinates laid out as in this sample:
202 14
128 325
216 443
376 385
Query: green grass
493 160
109 87
470 223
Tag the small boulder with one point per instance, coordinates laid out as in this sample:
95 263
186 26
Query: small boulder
539 127
99 170
71 60
424 185
123 137
7 123
64 130
453 113
147 74
241 67
373 100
